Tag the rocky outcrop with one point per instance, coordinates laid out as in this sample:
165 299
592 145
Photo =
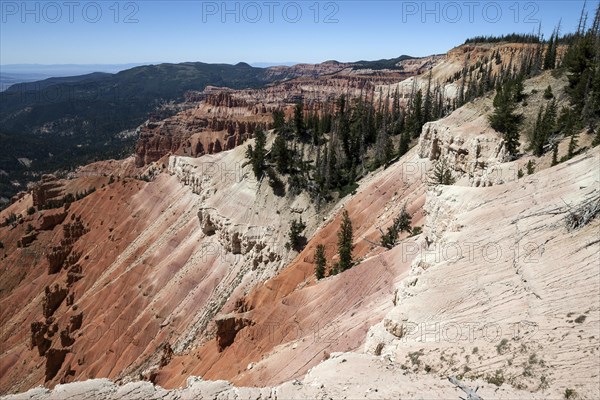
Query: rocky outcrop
56 256
27 239
75 322
62 255
65 338
53 299
54 361
74 274
49 219
132 304
228 327
52 342
468 144
224 98
167 355
39 339
66 335
395 327
197 132
254 243
42 334
206 224
48 188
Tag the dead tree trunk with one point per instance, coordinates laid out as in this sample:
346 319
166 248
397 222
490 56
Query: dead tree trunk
471 394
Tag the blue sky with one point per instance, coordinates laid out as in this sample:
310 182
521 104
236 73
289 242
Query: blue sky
88 32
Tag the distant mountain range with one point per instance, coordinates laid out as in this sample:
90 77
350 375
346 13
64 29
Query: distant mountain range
11 74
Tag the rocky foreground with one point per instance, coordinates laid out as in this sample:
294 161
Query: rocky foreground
521 313
335 378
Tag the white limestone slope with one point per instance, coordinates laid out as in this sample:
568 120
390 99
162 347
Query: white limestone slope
501 288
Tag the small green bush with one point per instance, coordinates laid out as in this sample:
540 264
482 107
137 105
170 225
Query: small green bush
496 379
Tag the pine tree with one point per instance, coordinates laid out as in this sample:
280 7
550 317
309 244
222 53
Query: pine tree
281 154
388 150
572 147
498 58
544 127
550 57
460 98
428 103
549 120
404 144
530 167
441 174
401 224
299 121
537 62
320 261
596 140
538 138
257 154
504 119
345 246
295 240
333 172
582 20
471 88
555 155
489 79
316 133
325 122
566 122
582 61
343 128
416 115
384 149
396 105
518 89
278 120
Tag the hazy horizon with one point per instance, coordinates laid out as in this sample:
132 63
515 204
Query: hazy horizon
257 64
